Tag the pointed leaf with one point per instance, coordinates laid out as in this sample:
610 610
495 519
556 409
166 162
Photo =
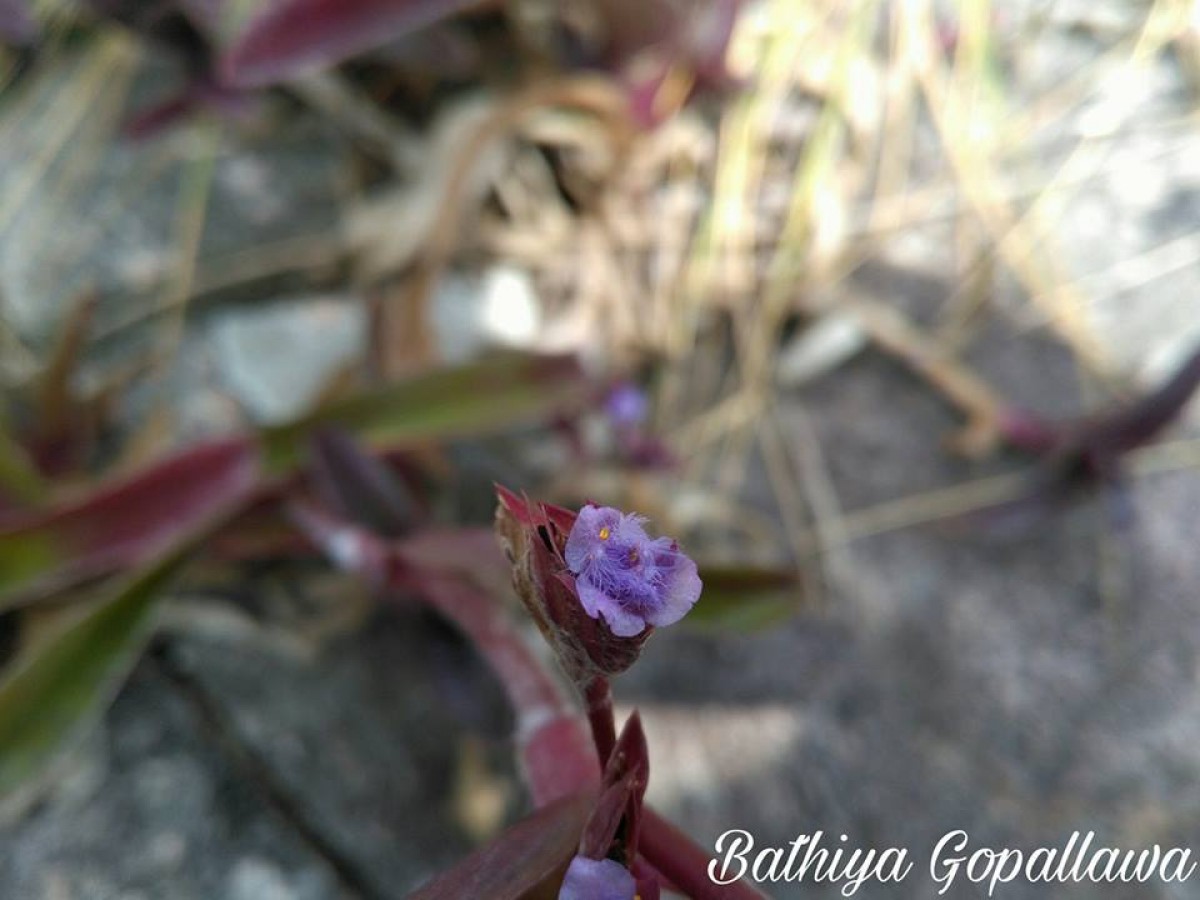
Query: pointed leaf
1140 422
524 857
685 864
470 553
68 675
357 486
297 36
602 825
123 523
20 481
446 403
1080 458
745 598
623 789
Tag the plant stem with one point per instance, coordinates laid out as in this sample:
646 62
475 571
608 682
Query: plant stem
600 714
552 742
558 758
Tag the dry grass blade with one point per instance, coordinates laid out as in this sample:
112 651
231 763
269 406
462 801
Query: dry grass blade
922 509
71 106
896 335
585 94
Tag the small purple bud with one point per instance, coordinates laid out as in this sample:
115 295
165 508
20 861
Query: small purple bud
627 577
597 879
626 405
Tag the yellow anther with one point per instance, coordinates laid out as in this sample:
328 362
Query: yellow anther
604 533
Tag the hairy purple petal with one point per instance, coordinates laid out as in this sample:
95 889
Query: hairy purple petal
597 603
581 543
597 879
677 572
624 576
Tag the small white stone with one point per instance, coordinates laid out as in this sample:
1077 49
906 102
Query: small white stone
468 314
820 348
511 312
254 878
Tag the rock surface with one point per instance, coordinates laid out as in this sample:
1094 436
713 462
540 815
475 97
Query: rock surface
1017 689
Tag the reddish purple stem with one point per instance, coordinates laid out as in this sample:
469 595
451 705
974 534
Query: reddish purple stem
600 714
557 755
559 759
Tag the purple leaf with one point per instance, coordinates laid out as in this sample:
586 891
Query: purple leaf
685 864
297 36
1101 439
359 486
1078 458
1142 421
666 50
123 523
201 94
601 828
622 792
527 855
17 26
156 118
470 552
558 758
60 681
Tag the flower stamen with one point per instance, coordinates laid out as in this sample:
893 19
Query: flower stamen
625 576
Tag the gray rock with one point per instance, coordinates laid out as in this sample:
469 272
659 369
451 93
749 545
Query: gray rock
257 879
104 214
170 821
276 359
959 680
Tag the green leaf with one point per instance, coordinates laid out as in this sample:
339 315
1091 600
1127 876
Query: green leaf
66 677
744 598
60 680
24 557
445 403
151 521
122 523
19 480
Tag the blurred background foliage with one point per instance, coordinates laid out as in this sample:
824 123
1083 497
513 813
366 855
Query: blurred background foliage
591 247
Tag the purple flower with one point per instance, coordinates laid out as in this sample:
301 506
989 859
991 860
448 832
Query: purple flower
624 575
597 879
626 404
